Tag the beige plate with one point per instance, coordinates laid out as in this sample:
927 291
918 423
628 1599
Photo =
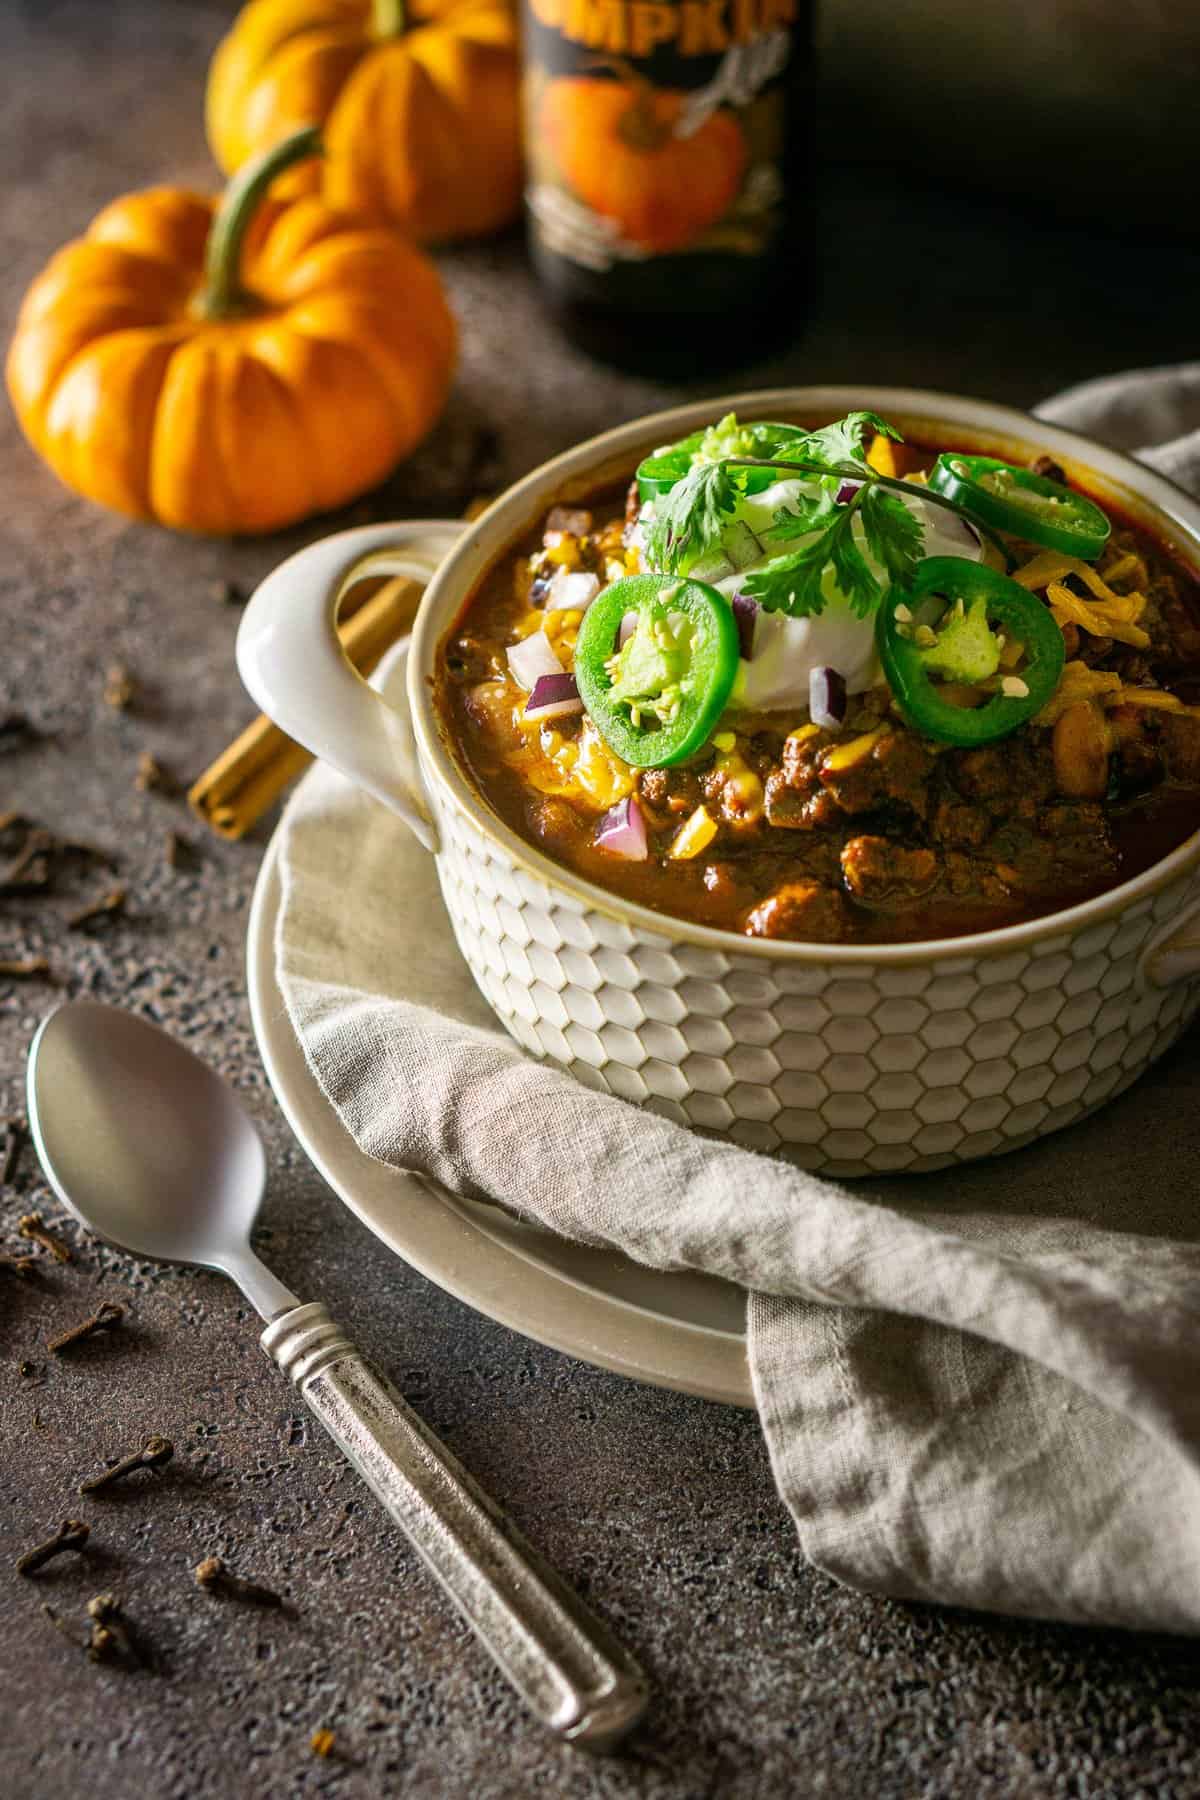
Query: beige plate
677 1331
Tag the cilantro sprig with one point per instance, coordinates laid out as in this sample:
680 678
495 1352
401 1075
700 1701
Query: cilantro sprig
689 521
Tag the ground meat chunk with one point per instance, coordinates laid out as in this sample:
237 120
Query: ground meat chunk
712 786
894 772
800 909
800 760
959 823
554 822
1079 849
877 870
1135 739
1181 742
794 808
1094 652
971 878
670 791
984 774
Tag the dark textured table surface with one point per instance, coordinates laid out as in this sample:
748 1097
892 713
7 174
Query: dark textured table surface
769 1679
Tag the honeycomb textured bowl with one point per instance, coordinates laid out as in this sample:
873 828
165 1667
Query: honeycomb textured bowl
852 1060
852 1068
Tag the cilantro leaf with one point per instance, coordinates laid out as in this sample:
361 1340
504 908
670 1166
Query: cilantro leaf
688 521
895 536
842 442
851 570
808 513
791 584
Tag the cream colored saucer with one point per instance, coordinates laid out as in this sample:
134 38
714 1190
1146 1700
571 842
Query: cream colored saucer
677 1331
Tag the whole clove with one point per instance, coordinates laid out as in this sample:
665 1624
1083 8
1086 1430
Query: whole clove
106 907
110 1639
120 688
72 1534
154 1452
152 777
29 870
105 1318
34 1227
215 1578
22 967
15 1134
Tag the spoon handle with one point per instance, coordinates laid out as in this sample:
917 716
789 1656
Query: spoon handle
564 1663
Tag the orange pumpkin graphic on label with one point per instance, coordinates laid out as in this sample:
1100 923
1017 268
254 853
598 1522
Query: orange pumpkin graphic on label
615 143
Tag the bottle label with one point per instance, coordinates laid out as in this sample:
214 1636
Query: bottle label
658 128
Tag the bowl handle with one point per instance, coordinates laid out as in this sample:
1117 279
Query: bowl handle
290 659
1174 954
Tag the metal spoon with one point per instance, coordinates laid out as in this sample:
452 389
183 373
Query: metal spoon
149 1148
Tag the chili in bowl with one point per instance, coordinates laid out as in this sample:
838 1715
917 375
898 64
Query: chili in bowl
821 768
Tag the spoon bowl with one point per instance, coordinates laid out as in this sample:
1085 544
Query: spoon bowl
147 1145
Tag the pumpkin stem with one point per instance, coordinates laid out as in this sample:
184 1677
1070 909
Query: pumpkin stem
222 293
388 18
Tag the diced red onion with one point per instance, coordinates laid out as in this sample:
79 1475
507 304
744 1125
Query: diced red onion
622 831
745 615
532 658
553 697
628 627
846 492
826 697
572 590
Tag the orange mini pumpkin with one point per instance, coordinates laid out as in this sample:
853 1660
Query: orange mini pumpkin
417 101
231 367
614 143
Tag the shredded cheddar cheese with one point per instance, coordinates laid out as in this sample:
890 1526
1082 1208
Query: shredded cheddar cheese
1156 697
1126 567
1103 618
1107 614
1105 687
1077 682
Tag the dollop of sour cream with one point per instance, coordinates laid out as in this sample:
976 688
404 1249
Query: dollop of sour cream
785 651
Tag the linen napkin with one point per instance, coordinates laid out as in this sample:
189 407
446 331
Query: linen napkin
980 1387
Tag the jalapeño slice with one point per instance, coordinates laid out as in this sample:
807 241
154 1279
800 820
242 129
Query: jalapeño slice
655 699
1009 498
964 648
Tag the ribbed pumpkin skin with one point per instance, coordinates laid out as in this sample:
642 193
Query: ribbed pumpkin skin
236 425
422 129
662 196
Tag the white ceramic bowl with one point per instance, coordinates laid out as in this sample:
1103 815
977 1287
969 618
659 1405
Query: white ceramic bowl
853 1058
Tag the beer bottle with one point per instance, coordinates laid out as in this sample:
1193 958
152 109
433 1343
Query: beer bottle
665 149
